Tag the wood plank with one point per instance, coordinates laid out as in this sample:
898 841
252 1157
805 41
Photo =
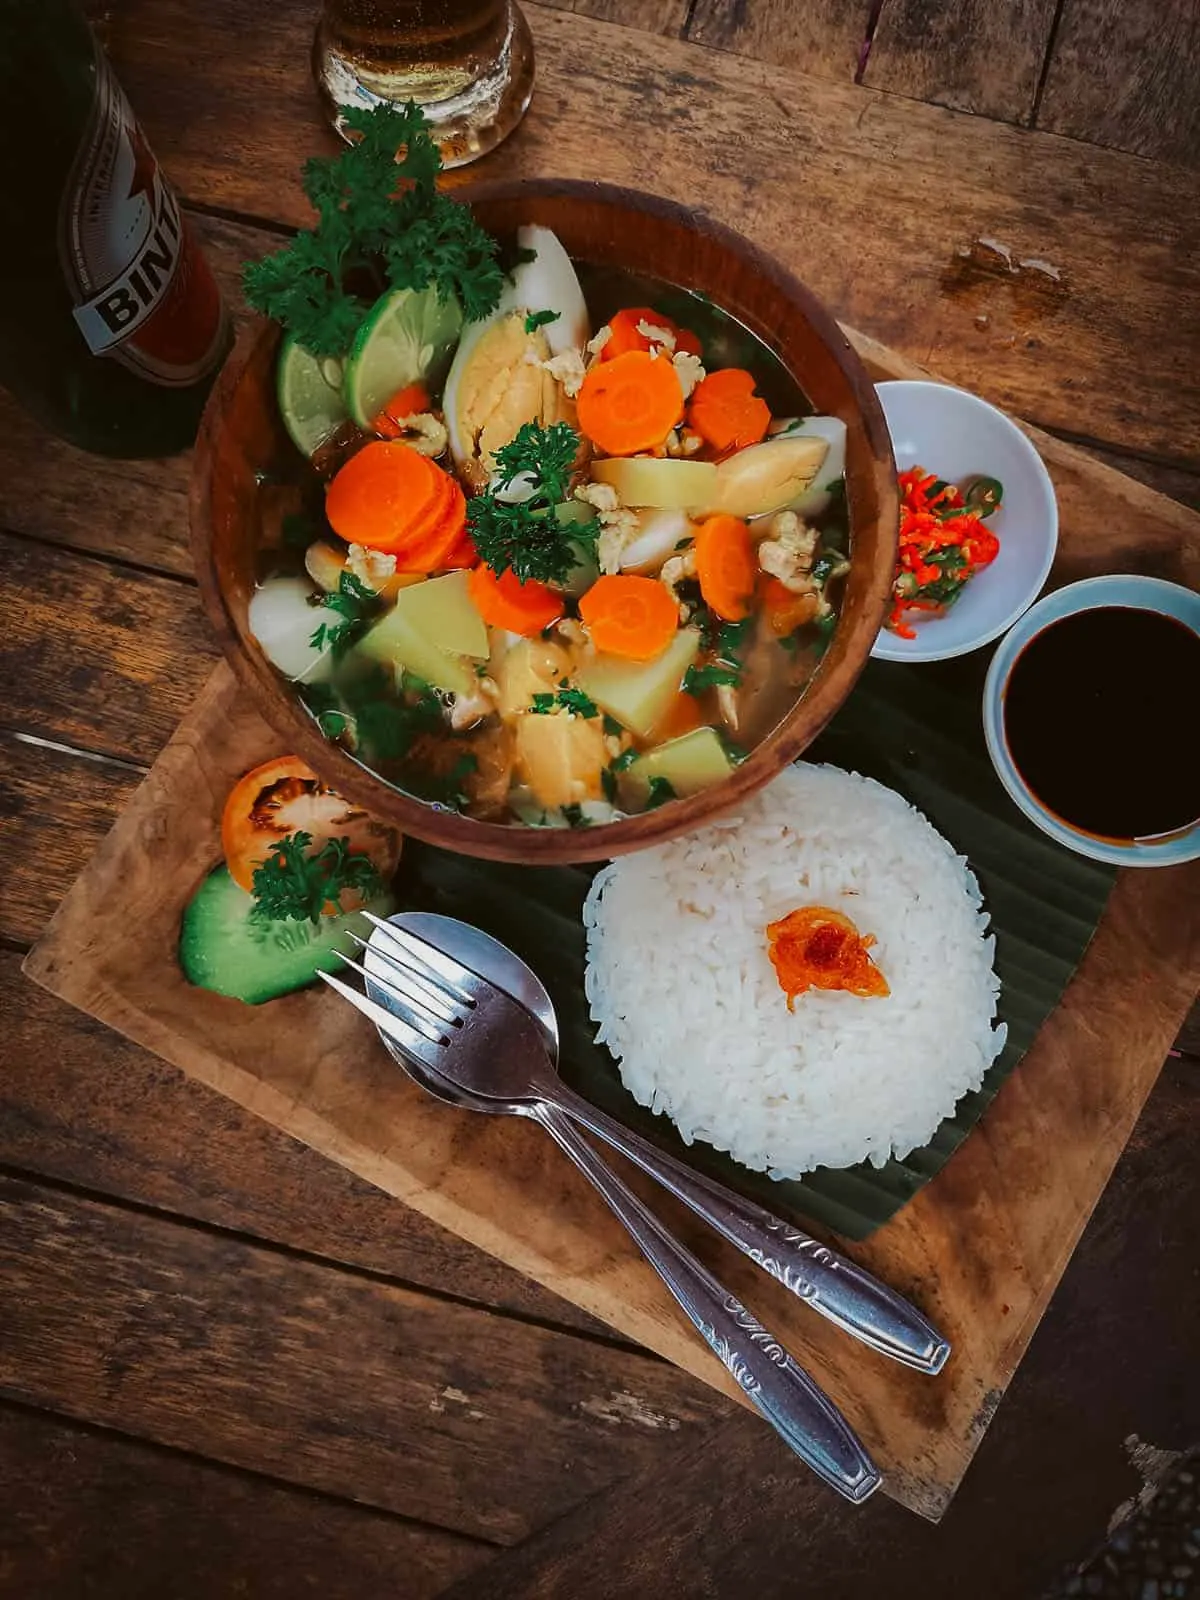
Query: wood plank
1125 76
982 56
649 16
825 38
981 1248
95 654
54 811
882 204
89 1513
81 1105
284 1366
1047 1477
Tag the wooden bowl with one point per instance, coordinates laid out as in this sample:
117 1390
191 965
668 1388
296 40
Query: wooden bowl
242 438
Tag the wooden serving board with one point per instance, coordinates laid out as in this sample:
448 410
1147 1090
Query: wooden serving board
981 1249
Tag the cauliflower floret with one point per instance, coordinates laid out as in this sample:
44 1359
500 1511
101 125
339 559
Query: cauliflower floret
689 369
787 553
674 571
656 335
371 567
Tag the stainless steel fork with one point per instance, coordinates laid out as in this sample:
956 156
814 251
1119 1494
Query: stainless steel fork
471 1042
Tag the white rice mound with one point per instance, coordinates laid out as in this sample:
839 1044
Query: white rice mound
679 979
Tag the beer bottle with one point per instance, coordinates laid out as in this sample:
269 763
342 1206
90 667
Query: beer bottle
111 324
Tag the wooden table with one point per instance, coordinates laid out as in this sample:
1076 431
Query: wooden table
214 1345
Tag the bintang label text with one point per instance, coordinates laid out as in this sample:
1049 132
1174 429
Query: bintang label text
121 306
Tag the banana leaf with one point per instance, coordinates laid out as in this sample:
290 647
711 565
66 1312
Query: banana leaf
918 730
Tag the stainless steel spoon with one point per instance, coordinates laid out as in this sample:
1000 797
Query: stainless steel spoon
475 1031
858 1303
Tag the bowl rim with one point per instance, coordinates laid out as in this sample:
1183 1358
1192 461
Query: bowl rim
1083 595
886 646
450 829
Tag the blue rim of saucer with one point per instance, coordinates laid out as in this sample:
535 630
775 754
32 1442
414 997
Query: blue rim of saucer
1116 589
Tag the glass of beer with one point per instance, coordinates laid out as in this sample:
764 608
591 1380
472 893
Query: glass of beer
467 63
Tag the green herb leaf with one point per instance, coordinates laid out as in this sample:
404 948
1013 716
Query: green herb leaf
697 679
380 216
355 604
624 760
293 885
578 703
539 319
542 704
608 782
526 536
612 727
575 817
661 790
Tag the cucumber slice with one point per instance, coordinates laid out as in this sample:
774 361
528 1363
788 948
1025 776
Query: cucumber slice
408 337
221 948
309 390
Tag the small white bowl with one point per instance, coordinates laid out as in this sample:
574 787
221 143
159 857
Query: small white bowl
1113 589
959 436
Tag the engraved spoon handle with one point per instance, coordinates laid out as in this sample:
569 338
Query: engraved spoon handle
828 1282
791 1402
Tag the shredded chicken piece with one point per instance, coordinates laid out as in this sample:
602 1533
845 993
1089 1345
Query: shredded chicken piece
674 571
570 631
682 442
656 335
618 525
787 553
370 567
727 704
689 369
598 341
602 496
468 709
424 433
568 368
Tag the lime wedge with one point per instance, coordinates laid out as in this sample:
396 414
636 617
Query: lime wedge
309 389
408 337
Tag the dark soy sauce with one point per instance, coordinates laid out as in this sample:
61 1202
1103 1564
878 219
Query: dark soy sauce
1100 715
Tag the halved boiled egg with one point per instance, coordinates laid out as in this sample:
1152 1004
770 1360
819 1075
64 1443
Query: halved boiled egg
498 380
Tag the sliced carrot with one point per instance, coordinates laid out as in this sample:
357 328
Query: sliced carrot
464 553
625 336
628 616
786 611
430 552
725 566
406 402
381 494
725 410
506 602
630 403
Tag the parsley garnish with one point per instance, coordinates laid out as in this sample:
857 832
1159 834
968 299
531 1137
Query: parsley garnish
612 727
539 319
661 790
697 679
354 603
569 698
293 886
526 535
625 759
416 237
575 817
